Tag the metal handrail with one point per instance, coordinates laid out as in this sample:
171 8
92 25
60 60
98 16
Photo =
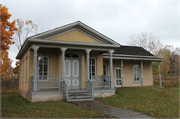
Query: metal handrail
89 85
66 89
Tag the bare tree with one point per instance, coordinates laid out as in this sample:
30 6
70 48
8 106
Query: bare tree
24 29
148 41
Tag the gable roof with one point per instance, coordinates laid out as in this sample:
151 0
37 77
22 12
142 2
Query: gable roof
132 50
79 26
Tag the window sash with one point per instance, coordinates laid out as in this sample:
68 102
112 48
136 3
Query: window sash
43 67
104 69
136 73
92 68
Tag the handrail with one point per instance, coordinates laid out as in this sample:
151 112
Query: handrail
66 89
89 86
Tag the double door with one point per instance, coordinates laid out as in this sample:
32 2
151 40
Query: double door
71 73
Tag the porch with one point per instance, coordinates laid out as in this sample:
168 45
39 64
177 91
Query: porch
65 70
52 84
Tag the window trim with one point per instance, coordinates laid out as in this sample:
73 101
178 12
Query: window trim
42 69
136 74
90 72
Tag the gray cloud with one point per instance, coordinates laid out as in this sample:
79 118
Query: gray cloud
116 20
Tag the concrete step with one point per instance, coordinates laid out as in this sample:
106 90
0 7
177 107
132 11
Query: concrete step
81 99
76 97
78 91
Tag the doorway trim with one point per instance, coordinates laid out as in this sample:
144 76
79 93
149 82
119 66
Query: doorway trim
80 66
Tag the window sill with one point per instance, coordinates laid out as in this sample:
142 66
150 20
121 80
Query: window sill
136 82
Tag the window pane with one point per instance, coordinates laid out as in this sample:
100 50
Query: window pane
45 68
45 60
136 73
40 68
75 55
40 59
40 73
68 55
93 68
104 72
93 61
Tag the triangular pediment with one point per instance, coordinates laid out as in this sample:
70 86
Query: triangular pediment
75 32
74 36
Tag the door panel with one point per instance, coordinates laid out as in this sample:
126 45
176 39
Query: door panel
118 77
75 74
67 73
72 73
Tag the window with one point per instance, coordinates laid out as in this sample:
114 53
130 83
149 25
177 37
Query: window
92 68
104 69
26 68
136 73
43 62
23 72
72 55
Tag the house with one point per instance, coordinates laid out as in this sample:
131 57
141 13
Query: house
75 62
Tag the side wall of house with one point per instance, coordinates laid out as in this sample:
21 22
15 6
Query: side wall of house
128 73
23 76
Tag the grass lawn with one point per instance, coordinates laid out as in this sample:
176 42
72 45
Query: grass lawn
152 101
14 106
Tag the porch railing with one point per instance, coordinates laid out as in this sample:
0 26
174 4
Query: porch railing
102 81
89 87
47 82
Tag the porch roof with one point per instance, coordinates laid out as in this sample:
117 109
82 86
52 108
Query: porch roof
133 53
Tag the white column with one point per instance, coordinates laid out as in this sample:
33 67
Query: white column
87 63
35 76
160 83
111 69
62 62
122 73
142 83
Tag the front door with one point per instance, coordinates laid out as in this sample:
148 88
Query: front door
118 77
71 73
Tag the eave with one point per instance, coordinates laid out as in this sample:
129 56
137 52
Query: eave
140 58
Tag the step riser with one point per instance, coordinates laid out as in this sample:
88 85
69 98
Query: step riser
75 97
71 100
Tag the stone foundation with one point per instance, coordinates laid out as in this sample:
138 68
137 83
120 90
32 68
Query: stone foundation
42 97
99 95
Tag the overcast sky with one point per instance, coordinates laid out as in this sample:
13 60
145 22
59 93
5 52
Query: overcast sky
117 20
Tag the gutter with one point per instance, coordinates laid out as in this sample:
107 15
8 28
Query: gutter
145 59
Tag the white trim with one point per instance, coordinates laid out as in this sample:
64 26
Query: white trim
65 68
116 77
77 68
77 82
68 82
133 73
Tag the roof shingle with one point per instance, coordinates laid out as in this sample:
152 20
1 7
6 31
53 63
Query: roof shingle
132 50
